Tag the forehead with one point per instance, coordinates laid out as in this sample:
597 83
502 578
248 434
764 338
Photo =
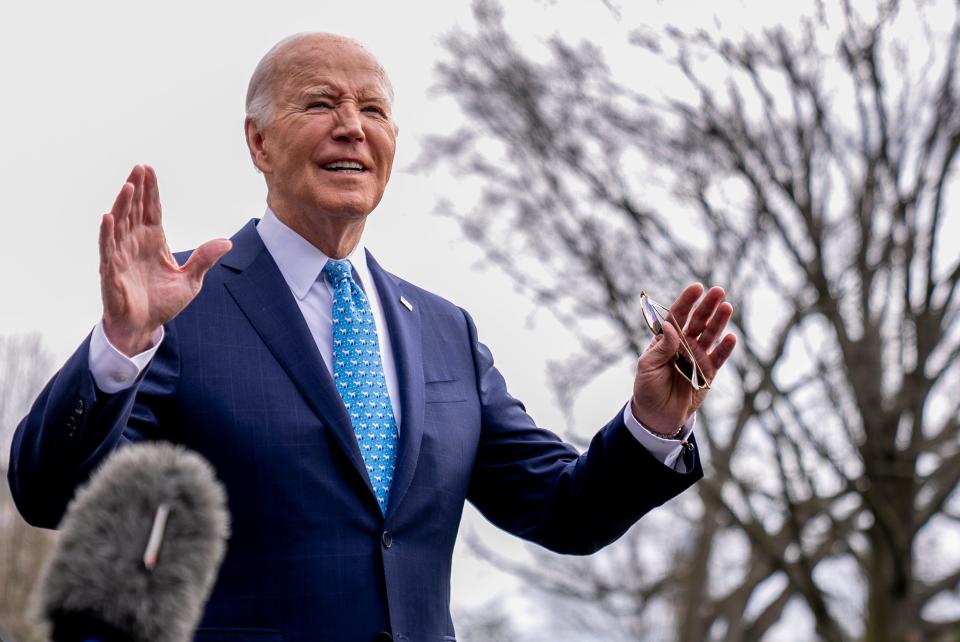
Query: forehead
337 65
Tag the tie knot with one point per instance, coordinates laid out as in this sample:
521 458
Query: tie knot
337 271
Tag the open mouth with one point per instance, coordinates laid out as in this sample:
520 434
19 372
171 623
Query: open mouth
344 167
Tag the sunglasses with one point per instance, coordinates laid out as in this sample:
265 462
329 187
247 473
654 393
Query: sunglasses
685 363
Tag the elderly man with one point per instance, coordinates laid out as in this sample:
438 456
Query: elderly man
349 413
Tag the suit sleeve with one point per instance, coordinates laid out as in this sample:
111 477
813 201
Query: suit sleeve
527 481
73 426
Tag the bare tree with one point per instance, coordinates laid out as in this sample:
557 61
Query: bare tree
486 623
808 168
24 367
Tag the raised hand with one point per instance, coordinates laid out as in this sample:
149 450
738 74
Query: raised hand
662 398
140 282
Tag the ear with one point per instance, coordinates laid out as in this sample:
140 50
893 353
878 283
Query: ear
256 145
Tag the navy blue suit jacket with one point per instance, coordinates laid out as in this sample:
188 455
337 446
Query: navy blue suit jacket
238 379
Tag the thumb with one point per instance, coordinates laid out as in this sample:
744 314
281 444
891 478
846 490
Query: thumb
663 348
204 257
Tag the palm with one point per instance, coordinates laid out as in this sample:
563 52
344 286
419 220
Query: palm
141 284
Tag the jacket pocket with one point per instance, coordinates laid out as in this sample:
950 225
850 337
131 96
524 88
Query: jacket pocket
444 391
231 634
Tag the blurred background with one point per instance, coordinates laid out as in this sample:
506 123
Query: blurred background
555 159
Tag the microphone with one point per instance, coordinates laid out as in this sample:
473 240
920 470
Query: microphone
140 547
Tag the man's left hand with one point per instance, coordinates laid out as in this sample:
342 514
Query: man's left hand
662 398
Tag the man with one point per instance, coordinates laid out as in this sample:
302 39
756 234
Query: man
349 413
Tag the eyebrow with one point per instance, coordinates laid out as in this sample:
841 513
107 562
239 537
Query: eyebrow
319 91
326 91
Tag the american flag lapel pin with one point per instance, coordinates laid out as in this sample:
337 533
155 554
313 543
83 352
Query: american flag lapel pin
406 304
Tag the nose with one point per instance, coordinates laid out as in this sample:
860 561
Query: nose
349 128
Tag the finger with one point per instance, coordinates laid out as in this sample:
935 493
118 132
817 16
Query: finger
683 303
136 203
108 268
151 193
124 196
132 178
704 311
121 207
122 202
134 173
715 325
663 348
723 351
203 259
107 243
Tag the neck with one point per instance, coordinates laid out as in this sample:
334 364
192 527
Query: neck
335 236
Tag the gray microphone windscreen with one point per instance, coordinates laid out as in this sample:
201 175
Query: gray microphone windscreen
140 547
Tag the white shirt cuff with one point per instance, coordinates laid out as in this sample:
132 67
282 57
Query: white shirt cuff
668 451
112 370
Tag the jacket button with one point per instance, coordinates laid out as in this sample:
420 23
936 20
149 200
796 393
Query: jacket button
383 636
387 540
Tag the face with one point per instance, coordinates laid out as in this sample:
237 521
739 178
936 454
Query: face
328 147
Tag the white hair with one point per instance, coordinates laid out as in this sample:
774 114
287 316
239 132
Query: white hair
260 89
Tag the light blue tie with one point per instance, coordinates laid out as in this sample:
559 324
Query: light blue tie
358 375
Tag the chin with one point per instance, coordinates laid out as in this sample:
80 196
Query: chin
347 209
347 205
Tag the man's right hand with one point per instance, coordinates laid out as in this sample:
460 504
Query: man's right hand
140 282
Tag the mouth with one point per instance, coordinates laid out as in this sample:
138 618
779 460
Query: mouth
344 167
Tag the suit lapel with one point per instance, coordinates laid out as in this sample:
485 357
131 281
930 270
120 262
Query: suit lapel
404 327
265 298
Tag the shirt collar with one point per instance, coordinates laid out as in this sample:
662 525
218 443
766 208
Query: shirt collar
300 262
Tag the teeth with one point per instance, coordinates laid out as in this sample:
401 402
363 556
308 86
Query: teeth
344 165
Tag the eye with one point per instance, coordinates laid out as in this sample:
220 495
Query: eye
374 109
319 105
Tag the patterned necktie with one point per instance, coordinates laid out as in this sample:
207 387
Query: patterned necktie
358 375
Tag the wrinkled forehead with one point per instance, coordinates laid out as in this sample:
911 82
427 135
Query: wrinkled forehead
335 62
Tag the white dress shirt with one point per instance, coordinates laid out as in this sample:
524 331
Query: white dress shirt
301 263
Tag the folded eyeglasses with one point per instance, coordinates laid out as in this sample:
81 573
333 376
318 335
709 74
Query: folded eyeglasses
685 363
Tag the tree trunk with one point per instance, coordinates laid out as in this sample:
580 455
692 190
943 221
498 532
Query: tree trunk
890 570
